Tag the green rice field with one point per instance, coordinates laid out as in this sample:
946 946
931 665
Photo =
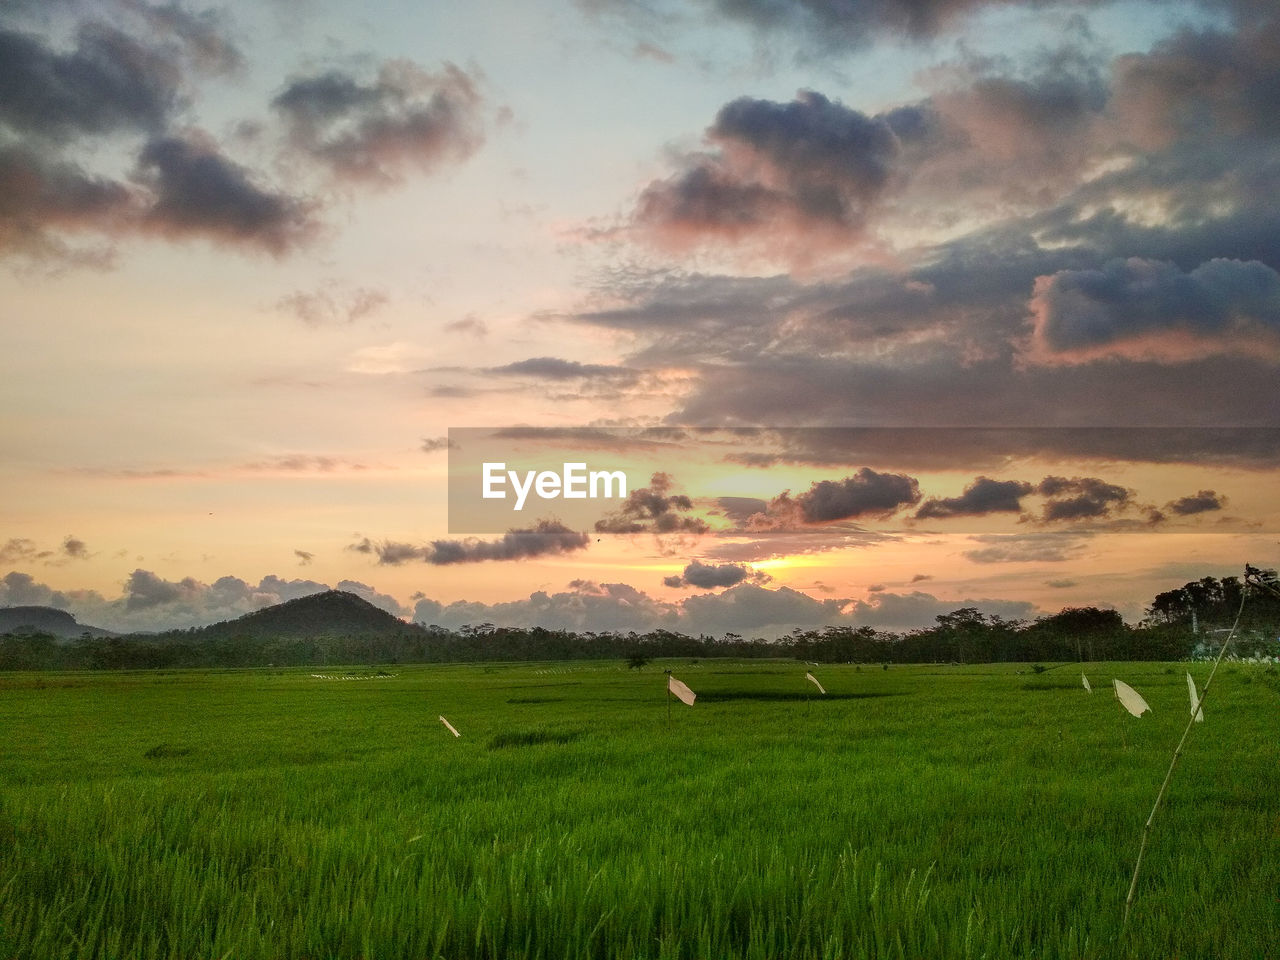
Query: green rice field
919 812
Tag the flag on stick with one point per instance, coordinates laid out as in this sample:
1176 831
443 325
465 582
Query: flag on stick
1130 698
450 726
1085 681
683 693
814 680
1195 700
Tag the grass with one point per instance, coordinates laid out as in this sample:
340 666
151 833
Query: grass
917 812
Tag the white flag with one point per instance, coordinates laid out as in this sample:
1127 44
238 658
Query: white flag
450 726
814 680
1131 699
1085 681
681 691
1195 700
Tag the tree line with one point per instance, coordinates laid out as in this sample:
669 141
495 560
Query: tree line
963 636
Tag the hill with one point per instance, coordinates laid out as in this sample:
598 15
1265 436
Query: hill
59 623
334 613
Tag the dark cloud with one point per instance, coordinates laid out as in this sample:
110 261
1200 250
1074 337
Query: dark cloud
654 509
1060 584
817 26
865 494
1201 502
21 589
304 557
1203 84
1152 308
1081 498
554 368
108 82
145 589
75 548
806 170
199 192
981 497
432 444
921 576
942 390
707 576
996 447
545 538
373 132
741 509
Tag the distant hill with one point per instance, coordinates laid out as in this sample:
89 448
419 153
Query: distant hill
334 613
46 620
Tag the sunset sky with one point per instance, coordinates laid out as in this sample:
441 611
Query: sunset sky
259 259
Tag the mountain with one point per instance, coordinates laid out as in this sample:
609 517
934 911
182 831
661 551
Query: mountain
46 620
334 613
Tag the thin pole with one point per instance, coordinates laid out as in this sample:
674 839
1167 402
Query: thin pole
1191 720
1119 716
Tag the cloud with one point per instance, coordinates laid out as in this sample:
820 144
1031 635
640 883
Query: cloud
1027 547
202 36
383 601
20 549
304 557
654 509
979 498
1202 84
584 606
554 368
706 576
546 538
1146 308
915 610
41 197
794 543
865 494
197 191
1201 502
802 174
150 602
113 91
329 306
1081 498
108 82
432 444
74 548
374 132
824 27
301 463
469 324
21 589
754 610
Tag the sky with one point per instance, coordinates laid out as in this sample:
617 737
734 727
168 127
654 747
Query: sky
267 269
